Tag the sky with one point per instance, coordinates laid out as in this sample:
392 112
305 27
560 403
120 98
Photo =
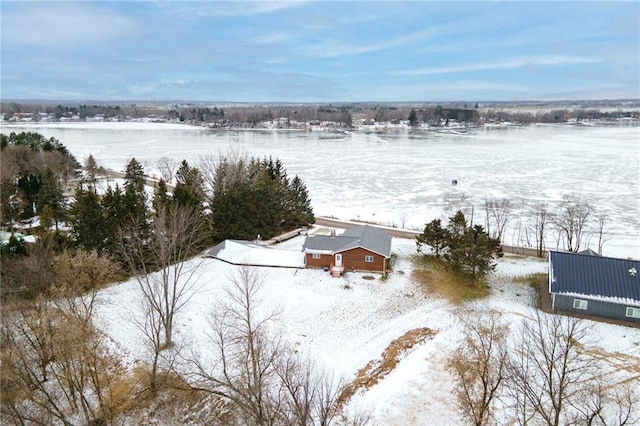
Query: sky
319 51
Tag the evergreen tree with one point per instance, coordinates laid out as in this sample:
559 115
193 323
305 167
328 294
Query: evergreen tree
254 197
134 175
434 235
161 198
189 189
114 213
457 225
29 186
466 249
301 213
51 194
11 203
46 219
135 198
413 117
473 254
91 167
87 220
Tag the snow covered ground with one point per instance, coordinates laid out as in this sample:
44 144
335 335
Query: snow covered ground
403 177
343 323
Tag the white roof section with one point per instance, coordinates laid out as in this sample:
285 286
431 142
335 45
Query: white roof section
618 300
240 252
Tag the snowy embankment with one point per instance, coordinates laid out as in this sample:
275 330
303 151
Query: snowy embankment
343 323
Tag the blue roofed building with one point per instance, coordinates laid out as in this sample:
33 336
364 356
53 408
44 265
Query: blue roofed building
589 284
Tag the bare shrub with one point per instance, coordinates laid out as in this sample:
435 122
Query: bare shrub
479 366
56 367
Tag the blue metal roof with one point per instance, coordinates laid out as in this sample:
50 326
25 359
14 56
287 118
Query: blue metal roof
594 275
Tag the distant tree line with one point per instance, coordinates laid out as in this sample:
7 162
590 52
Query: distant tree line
292 116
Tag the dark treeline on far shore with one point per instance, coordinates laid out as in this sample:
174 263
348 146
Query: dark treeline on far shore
342 115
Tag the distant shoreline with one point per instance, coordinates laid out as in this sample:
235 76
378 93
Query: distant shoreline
378 128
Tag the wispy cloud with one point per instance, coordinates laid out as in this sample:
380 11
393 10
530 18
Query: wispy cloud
502 65
208 9
463 90
62 25
333 49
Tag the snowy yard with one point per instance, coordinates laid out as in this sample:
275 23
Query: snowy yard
343 323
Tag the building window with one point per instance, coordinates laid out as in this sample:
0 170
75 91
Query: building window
368 259
316 255
580 304
633 312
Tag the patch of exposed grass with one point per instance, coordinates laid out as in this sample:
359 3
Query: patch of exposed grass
531 279
543 301
435 277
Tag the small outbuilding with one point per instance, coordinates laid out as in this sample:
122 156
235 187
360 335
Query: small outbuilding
361 248
590 284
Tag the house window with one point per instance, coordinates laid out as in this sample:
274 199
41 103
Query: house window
633 312
316 255
368 259
580 304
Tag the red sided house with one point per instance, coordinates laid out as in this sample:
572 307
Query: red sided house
362 248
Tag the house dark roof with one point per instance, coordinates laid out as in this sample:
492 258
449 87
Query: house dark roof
365 236
594 275
588 252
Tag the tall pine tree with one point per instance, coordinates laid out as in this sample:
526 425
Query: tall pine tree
87 220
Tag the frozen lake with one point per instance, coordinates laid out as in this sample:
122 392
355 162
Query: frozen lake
404 177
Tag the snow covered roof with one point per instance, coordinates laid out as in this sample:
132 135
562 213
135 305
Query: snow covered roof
240 252
617 280
368 237
5 236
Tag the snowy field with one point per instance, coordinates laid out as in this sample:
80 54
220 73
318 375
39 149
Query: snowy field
344 328
403 177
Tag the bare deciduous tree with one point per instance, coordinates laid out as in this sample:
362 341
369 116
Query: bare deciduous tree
539 224
167 167
479 366
253 369
455 202
497 216
550 371
229 168
571 223
166 280
403 219
601 230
